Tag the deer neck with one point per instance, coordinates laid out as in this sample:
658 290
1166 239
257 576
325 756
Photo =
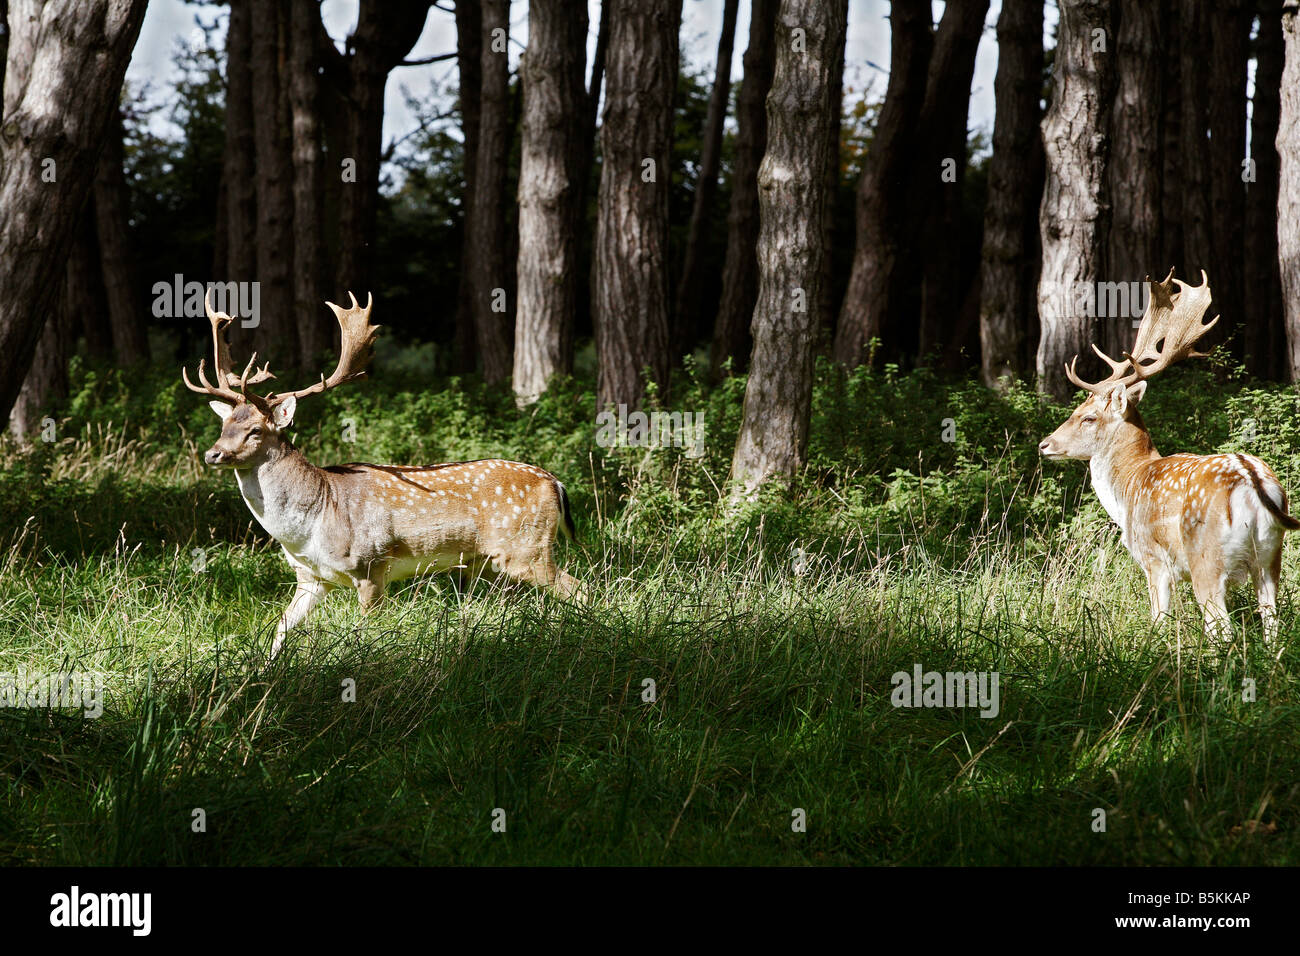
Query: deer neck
285 492
1115 471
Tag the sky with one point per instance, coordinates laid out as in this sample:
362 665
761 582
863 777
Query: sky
171 22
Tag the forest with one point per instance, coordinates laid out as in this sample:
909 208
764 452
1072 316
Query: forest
761 358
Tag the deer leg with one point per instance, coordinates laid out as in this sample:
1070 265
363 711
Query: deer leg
309 592
1266 577
1210 589
1160 588
370 589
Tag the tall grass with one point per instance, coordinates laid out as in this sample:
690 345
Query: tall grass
770 636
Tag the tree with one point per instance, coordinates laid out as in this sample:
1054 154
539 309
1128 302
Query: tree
793 201
631 284
129 337
1264 332
687 312
1076 142
1133 249
1230 24
487 221
1194 146
939 170
1288 194
552 181
469 56
1010 253
740 268
239 162
315 333
277 331
63 72
869 307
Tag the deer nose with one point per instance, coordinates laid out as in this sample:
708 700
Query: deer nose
212 456
1044 445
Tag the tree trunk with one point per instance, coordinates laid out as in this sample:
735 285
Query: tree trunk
940 170
631 296
1263 330
46 382
773 435
276 336
1009 273
731 338
1072 219
238 163
552 187
58 102
314 323
386 31
487 225
1193 58
1288 194
868 311
469 41
1230 24
1171 142
129 333
686 319
1133 251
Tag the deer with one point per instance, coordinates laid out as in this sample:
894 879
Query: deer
1213 519
362 526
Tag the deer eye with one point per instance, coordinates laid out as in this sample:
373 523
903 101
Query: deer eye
255 430
1089 419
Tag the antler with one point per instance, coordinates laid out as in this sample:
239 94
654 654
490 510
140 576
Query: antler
227 382
1170 328
358 337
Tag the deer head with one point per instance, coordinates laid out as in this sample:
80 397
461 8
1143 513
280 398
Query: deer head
252 422
1170 327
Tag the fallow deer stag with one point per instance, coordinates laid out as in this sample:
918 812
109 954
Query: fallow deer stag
1212 518
358 525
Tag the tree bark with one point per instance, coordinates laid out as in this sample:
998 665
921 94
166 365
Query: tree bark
551 192
487 225
238 162
57 105
1171 142
1230 25
386 31
1008 317
731 338
1288 195
773 435
314 324
469 41
126 319
1133 250
1193 57
938 199
1264 332
1072 219
868 311
631 295
276 336
687 312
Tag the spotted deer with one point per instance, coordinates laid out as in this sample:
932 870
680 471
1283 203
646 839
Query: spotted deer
1214 519
361 526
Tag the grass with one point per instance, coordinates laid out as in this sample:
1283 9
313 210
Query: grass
770 637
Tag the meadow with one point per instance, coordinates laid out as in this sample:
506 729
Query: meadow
733 669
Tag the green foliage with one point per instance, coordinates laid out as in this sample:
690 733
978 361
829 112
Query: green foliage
923 529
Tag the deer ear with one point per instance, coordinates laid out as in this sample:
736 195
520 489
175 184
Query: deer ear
1137 391
1117 397
282 414
222 409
